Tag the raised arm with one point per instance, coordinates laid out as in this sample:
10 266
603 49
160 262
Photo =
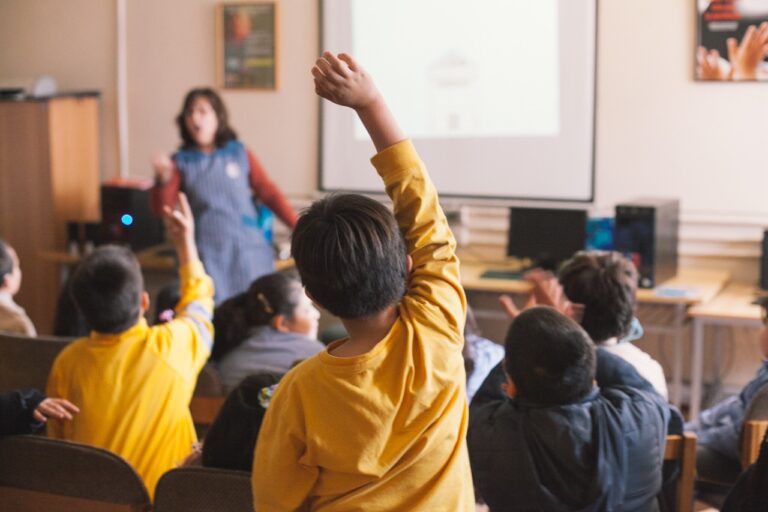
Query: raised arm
434 277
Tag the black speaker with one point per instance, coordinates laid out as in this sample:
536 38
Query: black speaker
646 231
764 262
126 216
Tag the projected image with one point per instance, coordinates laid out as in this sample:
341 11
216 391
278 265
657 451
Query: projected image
479 69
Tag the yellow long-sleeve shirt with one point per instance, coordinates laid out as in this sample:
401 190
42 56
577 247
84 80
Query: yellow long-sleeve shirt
134 388
385 430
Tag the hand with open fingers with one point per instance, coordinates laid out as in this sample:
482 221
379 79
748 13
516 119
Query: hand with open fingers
511 308
56 408
341 80
163 166
710 66
746 57
179 222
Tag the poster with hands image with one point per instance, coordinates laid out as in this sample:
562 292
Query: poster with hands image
732 40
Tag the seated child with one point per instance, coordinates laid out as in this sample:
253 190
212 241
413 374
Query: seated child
481 355
556 441
376 421
268 328
27 411
230 442
605 284
13 319
134 382
718 428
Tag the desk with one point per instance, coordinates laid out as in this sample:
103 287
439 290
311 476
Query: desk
689 288
732 307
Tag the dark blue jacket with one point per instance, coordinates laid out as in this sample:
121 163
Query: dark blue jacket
16 409
603 453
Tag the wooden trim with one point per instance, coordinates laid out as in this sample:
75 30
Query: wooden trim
22 500
751 439
683 448
204 409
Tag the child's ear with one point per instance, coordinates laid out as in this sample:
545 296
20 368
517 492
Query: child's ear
509 388
278 323
408 264
144 302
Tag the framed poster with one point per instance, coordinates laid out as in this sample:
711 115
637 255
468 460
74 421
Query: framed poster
732 40
247 45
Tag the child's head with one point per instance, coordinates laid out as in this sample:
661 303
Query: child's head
549 359
203 121
351 255
232 438
108 288
276 300
10 271
606 284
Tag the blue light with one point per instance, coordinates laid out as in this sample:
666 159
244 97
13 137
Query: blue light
126 219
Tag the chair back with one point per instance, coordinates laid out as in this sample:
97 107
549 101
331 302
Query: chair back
38 473
203 489
208 397
25 362
752 435
682 448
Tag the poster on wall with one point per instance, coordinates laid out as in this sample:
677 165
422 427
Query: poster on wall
246 45
732 40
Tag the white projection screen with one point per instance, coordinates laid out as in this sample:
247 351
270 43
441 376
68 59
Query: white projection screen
498 95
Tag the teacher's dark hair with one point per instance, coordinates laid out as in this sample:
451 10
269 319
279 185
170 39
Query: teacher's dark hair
224 133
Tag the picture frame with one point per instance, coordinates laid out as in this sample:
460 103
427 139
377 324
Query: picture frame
247 48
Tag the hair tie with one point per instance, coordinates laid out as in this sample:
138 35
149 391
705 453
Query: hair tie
265 303
265 395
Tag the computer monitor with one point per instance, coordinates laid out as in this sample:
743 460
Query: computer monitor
546 236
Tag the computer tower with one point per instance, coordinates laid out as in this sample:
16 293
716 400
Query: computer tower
764 262
646 231
126 216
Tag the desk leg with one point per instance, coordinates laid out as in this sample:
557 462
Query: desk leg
677 369
697 370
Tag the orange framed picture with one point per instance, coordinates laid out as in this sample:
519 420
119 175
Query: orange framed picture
247 45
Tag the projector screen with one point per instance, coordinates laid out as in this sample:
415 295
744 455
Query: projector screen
498 95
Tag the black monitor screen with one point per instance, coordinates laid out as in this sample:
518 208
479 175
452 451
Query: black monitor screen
546 236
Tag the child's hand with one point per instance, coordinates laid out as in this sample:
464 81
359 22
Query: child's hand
56 408
342 81
163 166
746 57
180 226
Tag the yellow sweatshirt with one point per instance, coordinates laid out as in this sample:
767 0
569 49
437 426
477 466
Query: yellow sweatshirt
134 388
383 431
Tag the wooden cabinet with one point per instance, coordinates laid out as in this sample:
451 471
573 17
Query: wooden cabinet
49 175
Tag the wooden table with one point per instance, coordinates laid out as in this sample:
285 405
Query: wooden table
731 307
688 289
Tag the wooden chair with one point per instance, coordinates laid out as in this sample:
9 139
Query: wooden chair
751 438
203 490
683 448
26 362
208 398
46 474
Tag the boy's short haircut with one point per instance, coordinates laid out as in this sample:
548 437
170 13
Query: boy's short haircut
6 262
107 289
606 284
549 357
351 255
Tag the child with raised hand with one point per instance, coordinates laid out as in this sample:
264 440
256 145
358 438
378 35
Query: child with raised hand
133 383
378 420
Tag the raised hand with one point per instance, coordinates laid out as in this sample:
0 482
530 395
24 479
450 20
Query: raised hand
342 81
163 166
180 226
747 56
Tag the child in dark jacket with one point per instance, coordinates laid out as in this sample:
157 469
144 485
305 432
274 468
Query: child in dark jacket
26 411
556 442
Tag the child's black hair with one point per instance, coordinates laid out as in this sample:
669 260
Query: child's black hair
268 296
351 255
107 288
549 357
224 133
606 284
231 440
